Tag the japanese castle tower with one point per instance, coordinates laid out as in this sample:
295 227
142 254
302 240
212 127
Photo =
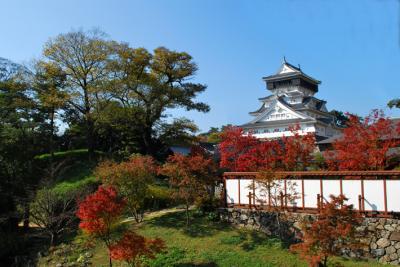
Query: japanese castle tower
292 102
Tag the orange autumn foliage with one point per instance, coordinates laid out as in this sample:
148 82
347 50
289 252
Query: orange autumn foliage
189 176
365 143
331 231
132 179
132 247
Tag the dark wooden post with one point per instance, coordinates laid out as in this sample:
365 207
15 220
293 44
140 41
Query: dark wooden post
254 193
269 195
322 190
281 196
285 194
239 190
302 193
385 195
362 195
341 186
224 193
319 202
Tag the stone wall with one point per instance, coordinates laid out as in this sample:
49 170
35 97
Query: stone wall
380 236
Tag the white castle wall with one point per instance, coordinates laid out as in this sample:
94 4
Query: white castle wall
374 192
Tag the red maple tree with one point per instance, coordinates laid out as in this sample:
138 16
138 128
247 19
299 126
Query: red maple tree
235 147
132 179
189 176
99 213
244 152
331 231
298 149
365 143
132 247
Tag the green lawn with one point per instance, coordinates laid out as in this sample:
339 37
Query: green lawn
207 243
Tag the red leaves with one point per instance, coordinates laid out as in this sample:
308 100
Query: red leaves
99 211
329 233
188 174
298 149
240 152
100 214
365 143
235 147
132 246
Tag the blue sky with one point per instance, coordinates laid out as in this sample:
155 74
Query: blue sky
353 47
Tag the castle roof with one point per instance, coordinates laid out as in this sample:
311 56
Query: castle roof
286 71
297 106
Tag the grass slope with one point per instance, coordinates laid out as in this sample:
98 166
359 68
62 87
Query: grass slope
207 243
76 171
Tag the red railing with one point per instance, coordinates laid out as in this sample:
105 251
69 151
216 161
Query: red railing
340 177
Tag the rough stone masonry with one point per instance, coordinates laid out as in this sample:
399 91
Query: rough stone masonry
381 236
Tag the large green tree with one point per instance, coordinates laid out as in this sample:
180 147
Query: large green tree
48 84
21 139
83 58
151 84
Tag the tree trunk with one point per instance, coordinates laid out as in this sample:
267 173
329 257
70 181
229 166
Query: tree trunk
324 262
90 137
89 121
136 214
26 217
51 239
110 261
51 145
278 222
148 141
187 214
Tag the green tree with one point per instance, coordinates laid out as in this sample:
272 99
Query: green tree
21 139
132 179
82 57
152 84
394 103
340 118
49 84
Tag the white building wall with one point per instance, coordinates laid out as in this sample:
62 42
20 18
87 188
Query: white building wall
283 131
352 189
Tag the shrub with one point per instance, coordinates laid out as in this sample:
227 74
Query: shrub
332 231
189 176
207 204
133 248
159 197
52 212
